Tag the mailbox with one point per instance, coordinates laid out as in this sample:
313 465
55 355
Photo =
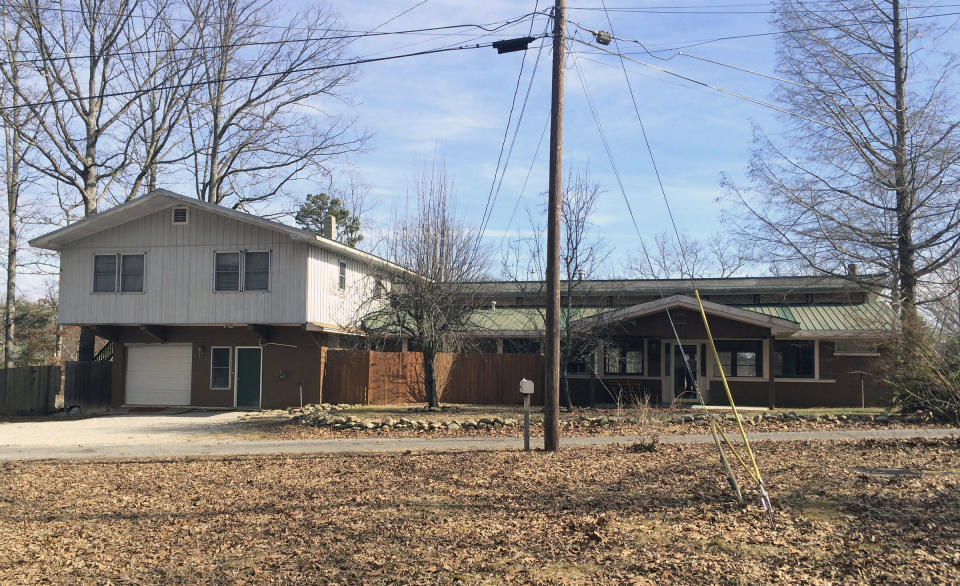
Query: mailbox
526 386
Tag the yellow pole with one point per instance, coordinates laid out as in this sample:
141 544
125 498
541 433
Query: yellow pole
733 406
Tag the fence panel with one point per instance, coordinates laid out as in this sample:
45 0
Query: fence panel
88 385
491 378
346 376
383 378
396 377
29 389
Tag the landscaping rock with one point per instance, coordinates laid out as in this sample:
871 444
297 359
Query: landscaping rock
453 426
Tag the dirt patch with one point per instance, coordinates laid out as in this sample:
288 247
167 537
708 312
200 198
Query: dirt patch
598 515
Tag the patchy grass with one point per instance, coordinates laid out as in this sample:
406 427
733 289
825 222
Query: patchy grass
599 515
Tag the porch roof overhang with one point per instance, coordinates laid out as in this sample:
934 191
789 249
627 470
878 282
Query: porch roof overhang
777 326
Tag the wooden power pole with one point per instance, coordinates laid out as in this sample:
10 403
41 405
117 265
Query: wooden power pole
551 391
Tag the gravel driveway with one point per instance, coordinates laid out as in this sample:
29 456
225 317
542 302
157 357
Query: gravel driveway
222 433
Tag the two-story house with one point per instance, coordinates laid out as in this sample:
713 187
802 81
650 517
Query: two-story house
208 306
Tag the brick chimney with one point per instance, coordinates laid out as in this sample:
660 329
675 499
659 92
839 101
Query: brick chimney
329 228
852 269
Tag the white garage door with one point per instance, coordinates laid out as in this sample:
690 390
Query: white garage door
158 374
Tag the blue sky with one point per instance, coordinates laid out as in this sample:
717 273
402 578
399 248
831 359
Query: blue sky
457 104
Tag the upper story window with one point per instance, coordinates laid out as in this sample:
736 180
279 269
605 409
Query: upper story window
253 267
118 272
342 277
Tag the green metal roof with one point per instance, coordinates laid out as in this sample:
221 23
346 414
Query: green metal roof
833 318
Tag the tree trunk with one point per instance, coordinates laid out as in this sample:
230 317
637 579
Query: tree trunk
13 198
906 266
430 378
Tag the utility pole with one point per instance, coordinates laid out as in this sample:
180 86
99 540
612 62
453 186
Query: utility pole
551 392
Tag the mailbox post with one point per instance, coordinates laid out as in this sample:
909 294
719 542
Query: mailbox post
526 389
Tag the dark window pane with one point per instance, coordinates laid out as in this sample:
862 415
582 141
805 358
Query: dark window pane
740 358
220 368
131 273
227 271
221 357
653 357
482 345
105 273
794 359
256 271
342 278
521 346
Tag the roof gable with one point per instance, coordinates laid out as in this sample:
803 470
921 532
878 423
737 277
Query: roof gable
162 199
777 325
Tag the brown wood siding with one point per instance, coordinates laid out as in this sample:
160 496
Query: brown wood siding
284 368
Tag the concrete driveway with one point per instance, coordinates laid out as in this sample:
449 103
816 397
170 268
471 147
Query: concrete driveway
121 429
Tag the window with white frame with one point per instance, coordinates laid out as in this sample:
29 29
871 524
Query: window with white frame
131 273
342 276
105 273
220 367
256 271
118 272
241 271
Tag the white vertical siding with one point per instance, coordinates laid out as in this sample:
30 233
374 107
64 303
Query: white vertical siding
327 304
178 281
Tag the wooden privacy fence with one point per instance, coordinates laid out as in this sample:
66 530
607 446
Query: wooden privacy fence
384 378
87 385
29 389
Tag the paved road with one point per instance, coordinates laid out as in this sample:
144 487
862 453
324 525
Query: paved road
147 447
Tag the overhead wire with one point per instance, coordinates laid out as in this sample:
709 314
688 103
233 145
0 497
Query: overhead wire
497 184
764 498
348 63
489 28
711 86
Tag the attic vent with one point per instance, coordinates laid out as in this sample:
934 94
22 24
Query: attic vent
179 215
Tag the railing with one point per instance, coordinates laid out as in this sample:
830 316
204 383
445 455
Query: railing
105 354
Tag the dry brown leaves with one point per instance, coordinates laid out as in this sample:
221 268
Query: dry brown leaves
599 515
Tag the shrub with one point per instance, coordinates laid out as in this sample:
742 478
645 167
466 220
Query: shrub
925 376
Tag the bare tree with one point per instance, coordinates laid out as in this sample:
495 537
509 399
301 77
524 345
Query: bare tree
869 168
84 144
256 121
431 303
582 257
17 127
718 256
164 61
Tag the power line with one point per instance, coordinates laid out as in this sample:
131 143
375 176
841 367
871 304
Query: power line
711 86
708 12
495 186
533 161
680 45
488 27
256 76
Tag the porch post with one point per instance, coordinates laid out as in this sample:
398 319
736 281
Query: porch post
771 385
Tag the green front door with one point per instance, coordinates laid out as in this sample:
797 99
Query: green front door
248 377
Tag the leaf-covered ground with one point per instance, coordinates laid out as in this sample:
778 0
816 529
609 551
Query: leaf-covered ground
603 515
